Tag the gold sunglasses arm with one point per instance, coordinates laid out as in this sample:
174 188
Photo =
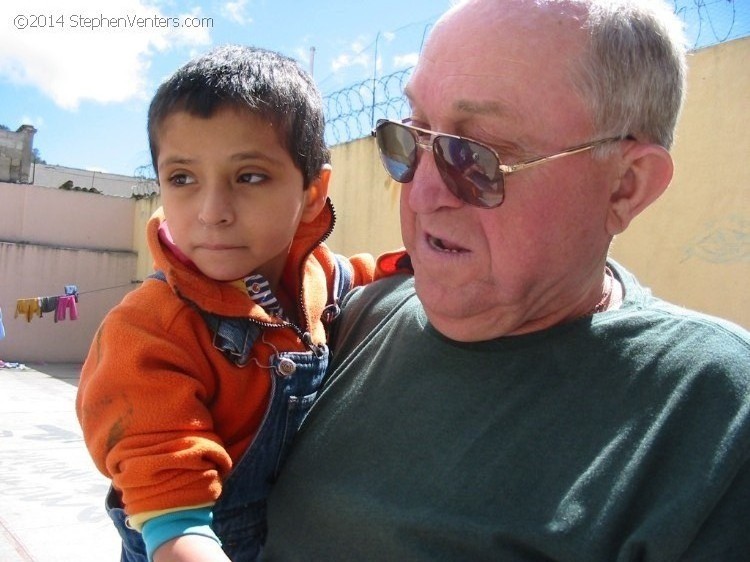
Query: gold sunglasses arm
510 168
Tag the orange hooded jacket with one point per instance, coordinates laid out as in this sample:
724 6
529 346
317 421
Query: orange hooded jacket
164 414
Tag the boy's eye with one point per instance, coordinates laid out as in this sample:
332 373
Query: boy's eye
181 179
251 177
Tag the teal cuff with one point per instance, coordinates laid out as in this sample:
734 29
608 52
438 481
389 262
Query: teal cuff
169 526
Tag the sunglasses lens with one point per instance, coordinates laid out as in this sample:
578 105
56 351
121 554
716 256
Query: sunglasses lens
470 170
398 150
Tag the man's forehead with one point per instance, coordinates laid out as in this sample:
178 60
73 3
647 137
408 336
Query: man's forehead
490 66
487 25
467 102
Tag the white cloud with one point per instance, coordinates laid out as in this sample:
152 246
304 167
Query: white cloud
355 55
236 12
348 60
405 61
85 50
362 55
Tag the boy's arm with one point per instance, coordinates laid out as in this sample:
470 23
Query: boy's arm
160 529
190 548
142 404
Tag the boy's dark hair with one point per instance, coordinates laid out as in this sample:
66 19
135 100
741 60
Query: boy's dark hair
264 82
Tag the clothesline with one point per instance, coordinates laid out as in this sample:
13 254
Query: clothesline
133 282
59 306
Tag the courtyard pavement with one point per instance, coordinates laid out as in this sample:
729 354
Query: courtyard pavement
51 495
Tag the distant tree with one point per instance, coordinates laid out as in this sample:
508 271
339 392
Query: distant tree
4 128
36 157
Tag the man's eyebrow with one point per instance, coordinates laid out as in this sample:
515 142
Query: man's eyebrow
489 107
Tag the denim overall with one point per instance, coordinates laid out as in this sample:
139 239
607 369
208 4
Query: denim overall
239 515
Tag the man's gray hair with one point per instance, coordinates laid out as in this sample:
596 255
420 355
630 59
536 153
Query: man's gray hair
634 77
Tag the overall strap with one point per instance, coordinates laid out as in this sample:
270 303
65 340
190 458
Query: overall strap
342 284
234 337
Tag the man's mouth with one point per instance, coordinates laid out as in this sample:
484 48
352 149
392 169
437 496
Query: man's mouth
444 246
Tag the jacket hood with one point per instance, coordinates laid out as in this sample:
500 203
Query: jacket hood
225 298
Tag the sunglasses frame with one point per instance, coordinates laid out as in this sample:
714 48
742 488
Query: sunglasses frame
504 169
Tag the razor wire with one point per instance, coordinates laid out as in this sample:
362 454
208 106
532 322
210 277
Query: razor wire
351 113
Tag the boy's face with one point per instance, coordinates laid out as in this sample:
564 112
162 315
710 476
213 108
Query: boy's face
232 195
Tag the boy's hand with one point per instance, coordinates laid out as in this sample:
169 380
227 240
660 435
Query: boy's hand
190 548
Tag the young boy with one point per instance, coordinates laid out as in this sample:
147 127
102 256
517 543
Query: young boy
197 381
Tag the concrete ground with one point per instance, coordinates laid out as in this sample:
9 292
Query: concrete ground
51 495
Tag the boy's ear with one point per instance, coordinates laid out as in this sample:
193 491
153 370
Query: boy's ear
316 194
647 171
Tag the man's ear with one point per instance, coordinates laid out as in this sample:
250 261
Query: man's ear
646 173
316 194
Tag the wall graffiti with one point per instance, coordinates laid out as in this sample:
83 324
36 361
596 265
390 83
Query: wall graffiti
724 242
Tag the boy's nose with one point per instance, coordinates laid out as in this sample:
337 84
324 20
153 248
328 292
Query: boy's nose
216 208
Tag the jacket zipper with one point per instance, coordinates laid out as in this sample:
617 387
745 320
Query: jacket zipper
306 337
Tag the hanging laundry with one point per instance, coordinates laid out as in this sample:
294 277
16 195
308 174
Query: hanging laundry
28 308
2 328
64 303
72 290
48 304
58 305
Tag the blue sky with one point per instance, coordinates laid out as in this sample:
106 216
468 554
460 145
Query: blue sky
86 90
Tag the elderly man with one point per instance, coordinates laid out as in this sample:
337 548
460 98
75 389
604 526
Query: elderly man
522 397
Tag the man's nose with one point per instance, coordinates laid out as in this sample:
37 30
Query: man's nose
427 191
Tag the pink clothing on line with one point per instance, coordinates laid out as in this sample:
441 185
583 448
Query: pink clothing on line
64 303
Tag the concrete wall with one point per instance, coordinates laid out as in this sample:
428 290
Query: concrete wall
50 238
29 270
42 215
109 184
16 154
144 208
365 199
693 245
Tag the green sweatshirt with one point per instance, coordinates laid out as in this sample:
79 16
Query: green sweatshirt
622 436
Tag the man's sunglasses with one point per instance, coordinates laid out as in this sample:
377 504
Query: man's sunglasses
471 170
